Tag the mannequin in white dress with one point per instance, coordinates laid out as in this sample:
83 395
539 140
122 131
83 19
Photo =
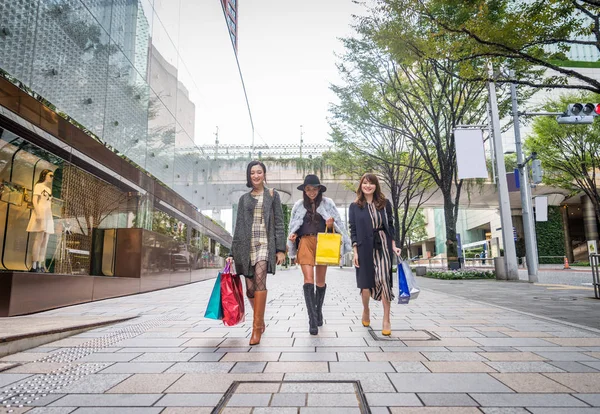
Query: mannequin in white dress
41 223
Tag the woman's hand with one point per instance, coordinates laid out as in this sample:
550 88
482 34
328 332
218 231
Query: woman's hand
229 260
280 258
397 250
293 237
355 257
329 222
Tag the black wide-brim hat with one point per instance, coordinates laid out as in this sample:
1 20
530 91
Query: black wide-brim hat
313 180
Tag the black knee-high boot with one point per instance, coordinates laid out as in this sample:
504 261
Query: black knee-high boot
320 299
311 307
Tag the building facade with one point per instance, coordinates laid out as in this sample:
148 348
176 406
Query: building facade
99 167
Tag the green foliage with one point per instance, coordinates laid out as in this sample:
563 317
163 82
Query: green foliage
581 264
570 154
526 36
163 223
461 274
550 237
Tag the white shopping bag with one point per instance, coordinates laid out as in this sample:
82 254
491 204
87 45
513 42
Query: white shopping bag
411 280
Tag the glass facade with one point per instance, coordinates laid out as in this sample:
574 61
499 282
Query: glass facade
121 71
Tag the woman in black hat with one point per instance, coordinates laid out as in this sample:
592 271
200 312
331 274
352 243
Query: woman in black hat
310 216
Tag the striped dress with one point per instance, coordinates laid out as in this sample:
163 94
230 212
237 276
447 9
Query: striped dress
381 258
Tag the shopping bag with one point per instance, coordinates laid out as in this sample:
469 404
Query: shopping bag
214 309
329 247
411 281
404 290
232 298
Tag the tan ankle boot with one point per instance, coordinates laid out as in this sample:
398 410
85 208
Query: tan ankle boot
251 300
258 324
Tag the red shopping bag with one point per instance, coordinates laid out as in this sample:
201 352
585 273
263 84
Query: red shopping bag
232 298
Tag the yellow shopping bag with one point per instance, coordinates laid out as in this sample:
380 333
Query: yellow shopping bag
328 248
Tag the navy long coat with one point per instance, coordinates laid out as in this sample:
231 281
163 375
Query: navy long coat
361 233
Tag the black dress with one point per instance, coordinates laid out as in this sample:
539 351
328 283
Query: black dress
372 231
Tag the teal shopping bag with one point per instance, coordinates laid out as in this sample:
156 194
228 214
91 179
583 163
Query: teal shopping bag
214 310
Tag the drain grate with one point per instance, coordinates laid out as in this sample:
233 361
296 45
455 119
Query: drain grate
29 392
406 335
362 403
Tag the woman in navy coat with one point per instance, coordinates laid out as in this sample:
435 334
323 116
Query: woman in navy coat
372 233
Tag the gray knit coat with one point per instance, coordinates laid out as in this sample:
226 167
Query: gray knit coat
273 217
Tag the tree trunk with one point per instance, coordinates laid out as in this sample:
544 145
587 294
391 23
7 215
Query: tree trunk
451 243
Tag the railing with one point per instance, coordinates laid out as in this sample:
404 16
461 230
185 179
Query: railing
595 263
443 262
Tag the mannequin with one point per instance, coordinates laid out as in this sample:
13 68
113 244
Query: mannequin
41 223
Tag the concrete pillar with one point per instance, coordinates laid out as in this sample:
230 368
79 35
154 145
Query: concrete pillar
590 224
568 243
424 248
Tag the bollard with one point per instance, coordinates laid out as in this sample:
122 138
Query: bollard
566 263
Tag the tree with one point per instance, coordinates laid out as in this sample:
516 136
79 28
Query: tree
523 35
570 154
417 98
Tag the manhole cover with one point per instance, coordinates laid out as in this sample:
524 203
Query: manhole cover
404 335
293 394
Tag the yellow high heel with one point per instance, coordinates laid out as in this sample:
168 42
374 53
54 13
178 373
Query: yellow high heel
386 332
366 324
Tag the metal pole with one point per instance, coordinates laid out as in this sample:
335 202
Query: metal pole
510 254
528 228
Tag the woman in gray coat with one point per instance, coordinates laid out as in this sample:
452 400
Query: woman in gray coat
258 241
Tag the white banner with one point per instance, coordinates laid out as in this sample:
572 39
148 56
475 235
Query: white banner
541 208
470 153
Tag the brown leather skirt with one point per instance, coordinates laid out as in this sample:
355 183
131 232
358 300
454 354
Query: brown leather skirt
307 250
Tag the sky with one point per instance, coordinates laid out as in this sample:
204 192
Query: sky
286 52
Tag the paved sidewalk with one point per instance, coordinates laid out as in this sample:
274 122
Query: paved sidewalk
448 355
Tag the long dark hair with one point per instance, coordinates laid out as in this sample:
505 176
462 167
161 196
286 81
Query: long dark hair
308 204
378 197
43 175
249 167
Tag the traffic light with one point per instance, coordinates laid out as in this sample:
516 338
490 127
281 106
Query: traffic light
536 171
579 113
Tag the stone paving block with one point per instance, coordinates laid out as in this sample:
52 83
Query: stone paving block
447 400
329 342
95 383
151 342
265 341
435 410
110 357
349 349
392 399
523 367
553 348
137 368
536 410
142 350
189 367
231 349
591 399
588 383
52 410
512 356
329 410
189 410
274 410
370 382
283 349
395 356
107 400
575 341
504 410
23 357
246 367
421 349
351 356
145 384
287 367
189 400
190 383
118 410
594 365
409 367
531 383
447 383
203 342
454 366
513 341
165 357
288 400
6 379
249 400
521 334
332 400
207 357
567 356
307 356
571 366
251 356
360 367
258 388
524 400
490 349
453 356
35 368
